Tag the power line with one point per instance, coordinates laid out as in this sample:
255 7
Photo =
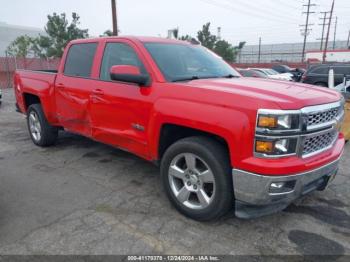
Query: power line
307 25
263 9
247 11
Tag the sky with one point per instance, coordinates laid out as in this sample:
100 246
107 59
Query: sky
275 21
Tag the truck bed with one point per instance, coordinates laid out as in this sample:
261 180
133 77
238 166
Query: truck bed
37 82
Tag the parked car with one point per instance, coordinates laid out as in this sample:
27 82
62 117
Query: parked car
282 69
295 72
252 73
221 140
318 74
270 73
344 88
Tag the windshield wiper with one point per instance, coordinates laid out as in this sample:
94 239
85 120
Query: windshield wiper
202 77
230 76
193 78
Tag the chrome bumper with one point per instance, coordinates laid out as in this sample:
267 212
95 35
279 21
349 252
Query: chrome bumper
253 192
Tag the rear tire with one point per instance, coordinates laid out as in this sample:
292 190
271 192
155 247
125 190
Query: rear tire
196 175
41 132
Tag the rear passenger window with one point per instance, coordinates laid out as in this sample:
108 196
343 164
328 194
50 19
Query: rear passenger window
320 70
118 54
342 70
80 59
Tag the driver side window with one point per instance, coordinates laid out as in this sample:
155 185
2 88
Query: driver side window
118 54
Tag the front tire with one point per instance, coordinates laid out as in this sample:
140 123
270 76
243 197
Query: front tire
41 132
196 175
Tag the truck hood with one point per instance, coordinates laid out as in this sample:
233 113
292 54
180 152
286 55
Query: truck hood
287 95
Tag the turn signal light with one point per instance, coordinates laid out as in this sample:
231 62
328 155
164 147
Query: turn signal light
267 121
264 146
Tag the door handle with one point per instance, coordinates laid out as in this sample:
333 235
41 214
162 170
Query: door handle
60 85
97 92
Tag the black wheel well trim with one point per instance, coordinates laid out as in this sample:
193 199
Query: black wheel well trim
30 99
171 133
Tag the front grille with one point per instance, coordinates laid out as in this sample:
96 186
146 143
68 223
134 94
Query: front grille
322 117
319 142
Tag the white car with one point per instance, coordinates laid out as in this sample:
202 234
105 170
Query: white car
343 87
270 73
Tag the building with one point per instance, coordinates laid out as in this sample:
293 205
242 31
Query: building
289 52
8 33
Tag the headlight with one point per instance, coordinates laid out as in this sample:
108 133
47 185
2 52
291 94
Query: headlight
278 122
276 147
275 132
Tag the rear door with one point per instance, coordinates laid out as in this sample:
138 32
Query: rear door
74 87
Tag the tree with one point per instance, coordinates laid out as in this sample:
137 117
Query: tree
185 38
21 46
176 33
238 49
225 50
206 38
107 33
58 33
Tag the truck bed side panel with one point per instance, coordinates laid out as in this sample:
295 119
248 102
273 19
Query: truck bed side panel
41 84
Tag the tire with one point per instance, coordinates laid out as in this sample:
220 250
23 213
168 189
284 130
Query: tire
41 132
210 172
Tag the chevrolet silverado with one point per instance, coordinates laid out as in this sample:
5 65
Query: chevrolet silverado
222 141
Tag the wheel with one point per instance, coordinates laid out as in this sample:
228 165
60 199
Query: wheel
321 84
196 175
41 132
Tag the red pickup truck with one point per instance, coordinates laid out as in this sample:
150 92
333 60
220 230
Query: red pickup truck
221 140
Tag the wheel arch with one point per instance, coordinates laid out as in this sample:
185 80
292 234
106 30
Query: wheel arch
170 133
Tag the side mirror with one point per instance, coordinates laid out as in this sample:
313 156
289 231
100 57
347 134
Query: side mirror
130 74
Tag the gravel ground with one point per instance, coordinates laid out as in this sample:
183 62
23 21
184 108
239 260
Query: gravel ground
82 197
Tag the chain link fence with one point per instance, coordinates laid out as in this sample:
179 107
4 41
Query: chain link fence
8 66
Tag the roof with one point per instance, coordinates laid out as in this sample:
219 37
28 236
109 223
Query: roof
143 39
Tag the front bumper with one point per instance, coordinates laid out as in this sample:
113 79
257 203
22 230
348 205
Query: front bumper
254 196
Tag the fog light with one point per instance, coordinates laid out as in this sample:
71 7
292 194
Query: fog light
282 187
278 185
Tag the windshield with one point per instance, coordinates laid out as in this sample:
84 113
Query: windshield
181 62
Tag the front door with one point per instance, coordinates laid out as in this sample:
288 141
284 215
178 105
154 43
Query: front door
120 111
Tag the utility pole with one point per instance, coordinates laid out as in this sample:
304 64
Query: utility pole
335 31
114 17
348 44
307 25
323 28
327 37
259 54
